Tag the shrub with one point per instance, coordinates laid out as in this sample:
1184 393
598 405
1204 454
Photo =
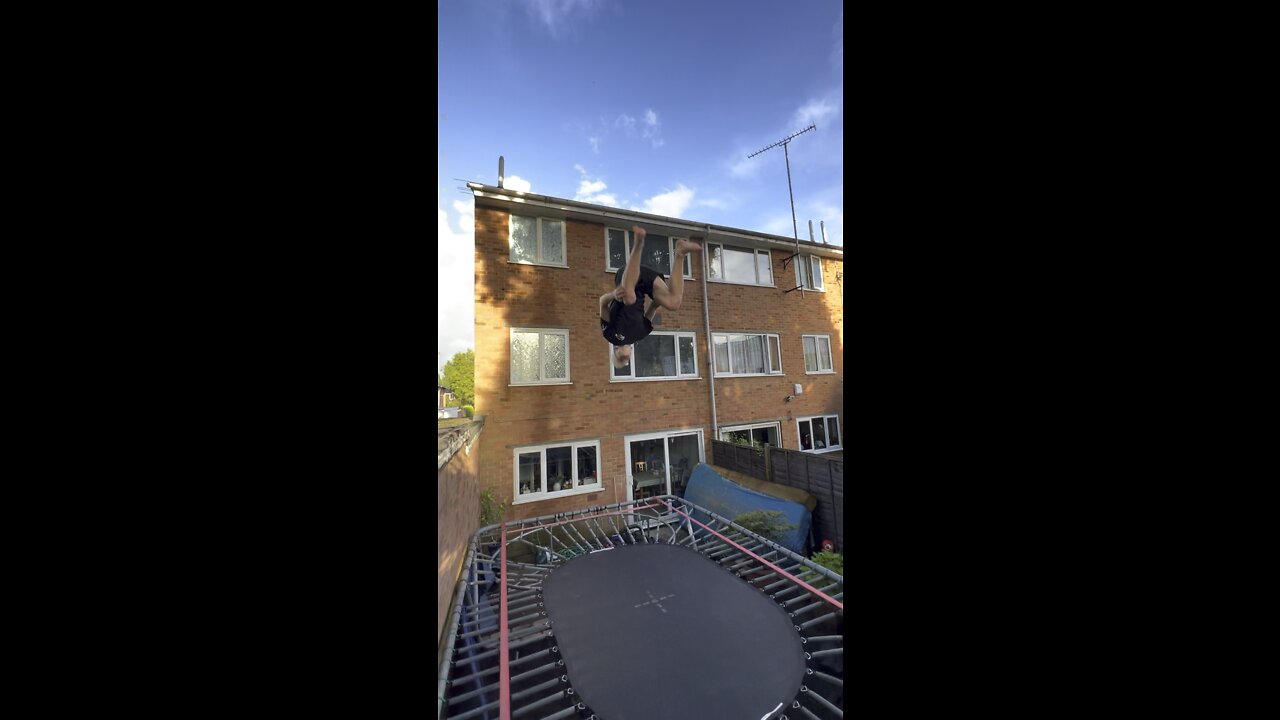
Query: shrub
469 410
491 509
765 523
831 561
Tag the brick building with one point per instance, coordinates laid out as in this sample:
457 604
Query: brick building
565 429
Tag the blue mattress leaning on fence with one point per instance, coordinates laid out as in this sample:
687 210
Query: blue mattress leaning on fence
729 499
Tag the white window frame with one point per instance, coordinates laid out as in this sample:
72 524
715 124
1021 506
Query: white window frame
564 238
777 426
626 246
828 420
629 467
831 359
768 358
615 377
547 494
541 365
815 273
707 253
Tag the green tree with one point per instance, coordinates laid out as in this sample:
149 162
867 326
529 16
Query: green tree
460 377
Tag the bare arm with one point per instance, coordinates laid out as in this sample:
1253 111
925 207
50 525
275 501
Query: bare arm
605 299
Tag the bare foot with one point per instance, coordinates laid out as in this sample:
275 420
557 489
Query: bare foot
638 232
687 246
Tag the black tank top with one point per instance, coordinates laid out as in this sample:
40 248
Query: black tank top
627 324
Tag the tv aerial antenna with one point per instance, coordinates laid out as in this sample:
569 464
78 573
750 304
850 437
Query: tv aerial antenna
795 232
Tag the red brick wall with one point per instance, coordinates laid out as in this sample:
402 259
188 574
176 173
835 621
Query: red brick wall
510 295
457 518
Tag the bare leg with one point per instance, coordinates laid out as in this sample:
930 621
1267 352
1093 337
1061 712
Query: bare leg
631 274
670 294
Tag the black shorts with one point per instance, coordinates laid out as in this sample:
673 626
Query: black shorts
644 286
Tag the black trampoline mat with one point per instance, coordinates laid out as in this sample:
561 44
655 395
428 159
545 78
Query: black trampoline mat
659 631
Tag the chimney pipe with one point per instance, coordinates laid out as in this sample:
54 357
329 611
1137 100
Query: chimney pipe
500 173
810 231
823 224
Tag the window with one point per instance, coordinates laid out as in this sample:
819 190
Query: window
539 356
817 354
660 356
549 471
809 272
819 434
537 241
658 251
726 263
754 435
746 354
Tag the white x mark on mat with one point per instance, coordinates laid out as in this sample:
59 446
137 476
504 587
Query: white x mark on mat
655 601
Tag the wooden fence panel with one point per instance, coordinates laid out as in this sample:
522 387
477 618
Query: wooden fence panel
819 476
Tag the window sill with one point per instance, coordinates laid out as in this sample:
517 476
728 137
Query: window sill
731 282
820 372
824 451
540 384
532 497
655 379
537 264
741 375
809 289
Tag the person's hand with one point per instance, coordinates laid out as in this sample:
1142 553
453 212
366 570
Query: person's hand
619 293
638 232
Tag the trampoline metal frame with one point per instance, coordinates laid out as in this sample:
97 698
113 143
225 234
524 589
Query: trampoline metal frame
467 686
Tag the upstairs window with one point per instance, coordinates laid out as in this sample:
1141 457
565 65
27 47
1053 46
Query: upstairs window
817 354
809 272
537 241
658 251
660 356
539 356
746 354
726 263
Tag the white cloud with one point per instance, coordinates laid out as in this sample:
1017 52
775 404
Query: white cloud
556 14
517 183
778 225
648 127
595 144
652 129
742 167
455 274
717 203
671 204
815 111
592 191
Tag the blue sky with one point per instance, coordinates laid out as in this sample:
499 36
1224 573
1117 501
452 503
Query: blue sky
646 105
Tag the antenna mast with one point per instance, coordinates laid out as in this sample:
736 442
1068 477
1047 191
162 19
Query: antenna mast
794 231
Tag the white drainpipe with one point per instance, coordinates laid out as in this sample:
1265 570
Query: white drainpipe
711 350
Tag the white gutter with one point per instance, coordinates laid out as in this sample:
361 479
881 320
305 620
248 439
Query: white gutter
626 217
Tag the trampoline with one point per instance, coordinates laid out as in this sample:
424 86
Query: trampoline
639 610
